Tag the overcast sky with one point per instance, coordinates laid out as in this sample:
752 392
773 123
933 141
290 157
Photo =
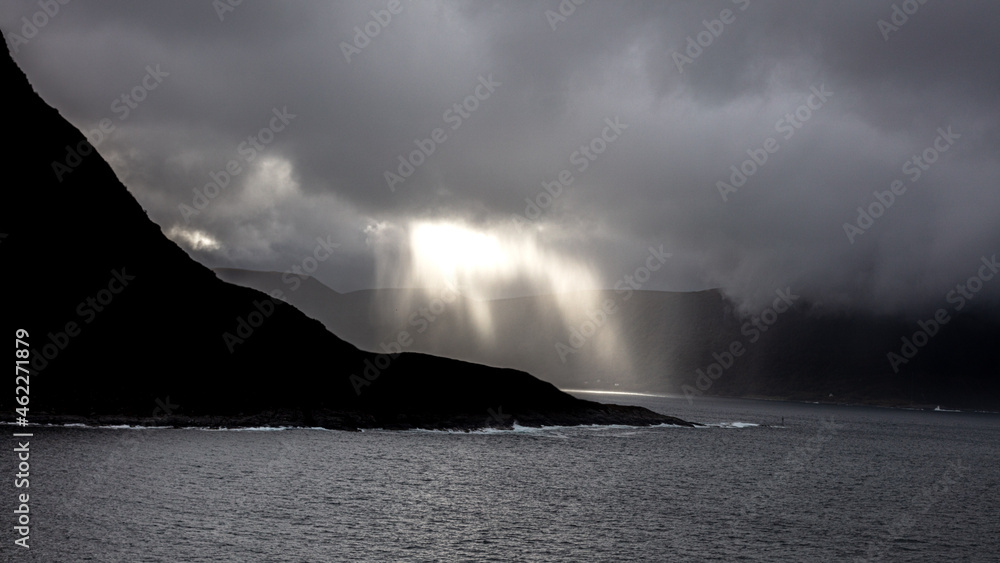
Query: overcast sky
847 101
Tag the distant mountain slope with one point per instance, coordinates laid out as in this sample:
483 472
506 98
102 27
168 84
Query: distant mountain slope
123 325
806 353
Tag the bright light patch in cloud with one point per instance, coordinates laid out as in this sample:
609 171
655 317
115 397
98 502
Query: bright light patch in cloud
193 238
484 262
454 254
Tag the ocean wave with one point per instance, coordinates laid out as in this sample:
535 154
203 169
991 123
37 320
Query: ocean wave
730 425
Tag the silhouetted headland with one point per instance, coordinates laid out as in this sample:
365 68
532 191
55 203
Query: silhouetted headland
125 328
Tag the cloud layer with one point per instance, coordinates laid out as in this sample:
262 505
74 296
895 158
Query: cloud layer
301 109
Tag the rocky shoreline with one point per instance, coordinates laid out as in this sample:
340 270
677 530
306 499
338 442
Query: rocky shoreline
599 415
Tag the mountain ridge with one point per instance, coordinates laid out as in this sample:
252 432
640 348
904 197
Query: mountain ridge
809 353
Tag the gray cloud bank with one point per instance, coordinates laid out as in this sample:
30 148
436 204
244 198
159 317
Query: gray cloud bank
499 98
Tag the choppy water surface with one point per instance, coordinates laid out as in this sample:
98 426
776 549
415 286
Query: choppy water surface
830 484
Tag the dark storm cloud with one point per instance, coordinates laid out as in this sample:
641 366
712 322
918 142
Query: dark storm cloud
324 174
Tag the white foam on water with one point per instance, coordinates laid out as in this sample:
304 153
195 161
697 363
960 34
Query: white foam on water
101 427
516 429
242 429
730 425
547 431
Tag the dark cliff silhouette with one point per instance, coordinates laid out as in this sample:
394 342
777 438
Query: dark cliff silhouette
124 326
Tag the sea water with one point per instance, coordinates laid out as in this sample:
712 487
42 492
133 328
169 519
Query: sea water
762 481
